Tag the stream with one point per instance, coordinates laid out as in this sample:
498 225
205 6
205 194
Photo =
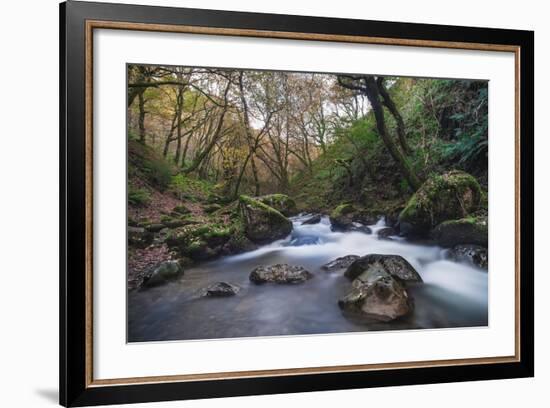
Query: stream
452 295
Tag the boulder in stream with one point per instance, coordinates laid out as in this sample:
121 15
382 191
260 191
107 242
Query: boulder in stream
358 227
386 233
376 296
221 289
473 254
340 263
314 219
263 223
341 218
442 197
164 272
469 230
280 273
394 265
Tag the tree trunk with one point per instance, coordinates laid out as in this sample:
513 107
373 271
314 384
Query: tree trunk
141 120
249 136
255 175
388 103
239 179
373 95
219 127
346 165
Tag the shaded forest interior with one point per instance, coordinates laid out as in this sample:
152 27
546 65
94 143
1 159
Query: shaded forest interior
201 141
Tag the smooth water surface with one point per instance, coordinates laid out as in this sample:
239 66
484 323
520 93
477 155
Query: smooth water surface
452 295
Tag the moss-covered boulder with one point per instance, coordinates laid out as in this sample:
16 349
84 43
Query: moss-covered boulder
341 218
448 196
200 241
262 223
238 243
162 273
281 202
469 230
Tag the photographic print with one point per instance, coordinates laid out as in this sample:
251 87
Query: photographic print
233 182
265 203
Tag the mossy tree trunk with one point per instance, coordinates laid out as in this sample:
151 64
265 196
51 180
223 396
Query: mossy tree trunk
215 137
141 117
368 86
249 138
388 103
179 111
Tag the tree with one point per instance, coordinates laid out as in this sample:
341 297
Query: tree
388 103
217 131
368 85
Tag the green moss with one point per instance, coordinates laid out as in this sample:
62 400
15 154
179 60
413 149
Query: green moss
262 222
145 163
246 200
171 222
484 202
138 197
195 245
192 189
442 197
281 202
200 241
469 230
342 210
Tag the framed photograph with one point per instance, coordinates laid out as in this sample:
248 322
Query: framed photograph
256 203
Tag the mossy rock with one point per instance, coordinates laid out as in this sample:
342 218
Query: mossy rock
281 202
163 273
449 196
200 241
469 230
342 209
239 243
341 217
261 222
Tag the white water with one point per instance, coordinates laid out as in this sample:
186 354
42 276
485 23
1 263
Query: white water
452 295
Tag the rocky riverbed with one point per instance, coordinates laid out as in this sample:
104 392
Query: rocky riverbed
297 285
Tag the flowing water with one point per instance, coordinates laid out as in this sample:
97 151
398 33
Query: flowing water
452 295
